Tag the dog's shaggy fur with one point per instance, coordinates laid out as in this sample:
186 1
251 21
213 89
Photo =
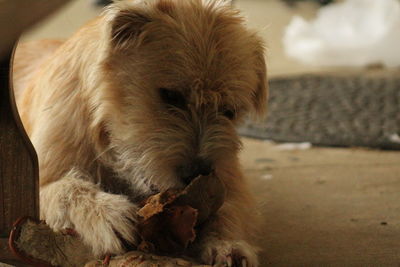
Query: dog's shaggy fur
144 98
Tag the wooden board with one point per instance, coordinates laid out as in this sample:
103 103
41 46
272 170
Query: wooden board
19 174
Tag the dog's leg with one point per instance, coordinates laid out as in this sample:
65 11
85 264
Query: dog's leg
222 243
100 218
228 238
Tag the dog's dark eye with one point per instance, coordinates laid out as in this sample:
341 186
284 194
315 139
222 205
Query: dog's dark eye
172 98
230 114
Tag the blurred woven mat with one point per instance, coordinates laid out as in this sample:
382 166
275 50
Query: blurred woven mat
333 110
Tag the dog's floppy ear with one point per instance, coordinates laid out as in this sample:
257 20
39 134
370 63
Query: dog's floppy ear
127 25
260 96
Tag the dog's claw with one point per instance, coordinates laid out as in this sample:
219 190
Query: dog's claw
229 261
229 253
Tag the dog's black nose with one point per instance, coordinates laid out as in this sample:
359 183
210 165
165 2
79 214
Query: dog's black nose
197 167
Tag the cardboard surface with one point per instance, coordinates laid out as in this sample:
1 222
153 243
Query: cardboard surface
326 206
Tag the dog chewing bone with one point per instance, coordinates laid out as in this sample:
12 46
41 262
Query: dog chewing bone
151 91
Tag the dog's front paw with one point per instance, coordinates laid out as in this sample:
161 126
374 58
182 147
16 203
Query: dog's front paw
108 225
229 253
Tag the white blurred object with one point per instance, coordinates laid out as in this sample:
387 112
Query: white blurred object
266 176
395 138
350 33
294 146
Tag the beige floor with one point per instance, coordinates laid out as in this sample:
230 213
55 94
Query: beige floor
322 206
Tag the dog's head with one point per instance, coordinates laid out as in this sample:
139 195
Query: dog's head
181 75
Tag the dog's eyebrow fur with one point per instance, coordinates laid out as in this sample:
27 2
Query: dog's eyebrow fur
166 6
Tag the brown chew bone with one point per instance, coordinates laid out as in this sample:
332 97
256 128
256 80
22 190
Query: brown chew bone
169 218
167 226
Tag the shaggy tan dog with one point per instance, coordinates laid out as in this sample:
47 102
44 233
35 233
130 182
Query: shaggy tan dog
144 98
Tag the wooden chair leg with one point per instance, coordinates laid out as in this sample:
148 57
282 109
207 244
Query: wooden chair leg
19 174
19 185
